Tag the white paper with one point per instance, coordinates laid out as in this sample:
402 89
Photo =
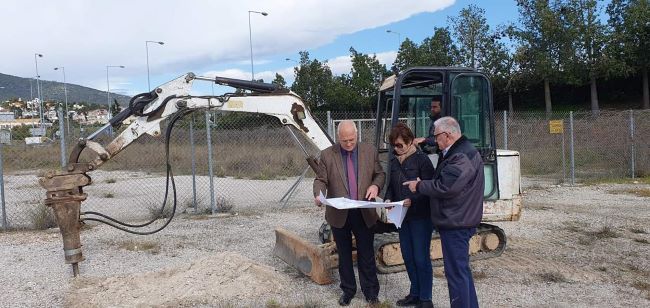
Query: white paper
395 215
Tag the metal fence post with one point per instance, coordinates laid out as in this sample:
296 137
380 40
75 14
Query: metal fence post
505 130
193 163
633 154
62 138
330 124
563 154
571 150
359 129
2 190
208 129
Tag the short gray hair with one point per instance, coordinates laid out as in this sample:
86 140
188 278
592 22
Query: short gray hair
347 122
448 124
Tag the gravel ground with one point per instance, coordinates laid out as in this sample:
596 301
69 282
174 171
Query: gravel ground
581 246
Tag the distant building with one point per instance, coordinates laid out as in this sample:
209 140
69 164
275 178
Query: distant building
6 116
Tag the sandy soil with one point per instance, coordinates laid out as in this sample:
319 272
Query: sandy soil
584 246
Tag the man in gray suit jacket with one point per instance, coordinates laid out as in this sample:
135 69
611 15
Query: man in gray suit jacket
352 170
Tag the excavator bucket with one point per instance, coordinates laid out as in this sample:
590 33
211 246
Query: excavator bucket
315 261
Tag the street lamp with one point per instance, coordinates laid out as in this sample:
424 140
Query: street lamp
108 91
65 93
250 38
146 46
399 37
38 88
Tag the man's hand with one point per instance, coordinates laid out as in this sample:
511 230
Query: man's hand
413 185
372 192
407 202
318 203
418 140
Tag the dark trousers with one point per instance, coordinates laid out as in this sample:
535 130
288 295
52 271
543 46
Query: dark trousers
455 254
365 256
415 244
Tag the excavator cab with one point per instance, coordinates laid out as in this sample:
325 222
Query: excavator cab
464 94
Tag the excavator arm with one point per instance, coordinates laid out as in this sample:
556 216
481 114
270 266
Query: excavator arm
148 111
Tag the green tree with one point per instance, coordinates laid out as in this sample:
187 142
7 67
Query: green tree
588 44
438 50
279 80
312 78
407 56
365 77
544 42
471 32
629 21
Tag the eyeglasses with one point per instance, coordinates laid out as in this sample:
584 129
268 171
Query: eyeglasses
399 145
438 134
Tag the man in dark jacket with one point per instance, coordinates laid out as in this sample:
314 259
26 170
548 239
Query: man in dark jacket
456 198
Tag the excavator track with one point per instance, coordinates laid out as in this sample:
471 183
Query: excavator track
488 242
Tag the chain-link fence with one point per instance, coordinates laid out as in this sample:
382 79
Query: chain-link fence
246 160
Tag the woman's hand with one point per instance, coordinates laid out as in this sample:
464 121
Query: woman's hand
407 202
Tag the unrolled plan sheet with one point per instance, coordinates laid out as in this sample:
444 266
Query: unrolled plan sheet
395 214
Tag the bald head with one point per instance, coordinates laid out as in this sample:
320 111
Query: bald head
346 134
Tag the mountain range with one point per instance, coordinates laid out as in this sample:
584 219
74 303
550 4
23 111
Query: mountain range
25 88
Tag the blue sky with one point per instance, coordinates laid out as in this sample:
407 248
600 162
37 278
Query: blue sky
211 37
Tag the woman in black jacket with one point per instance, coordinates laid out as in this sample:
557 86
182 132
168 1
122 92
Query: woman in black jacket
409 163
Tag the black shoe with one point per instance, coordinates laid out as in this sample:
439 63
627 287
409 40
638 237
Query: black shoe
425 304
409 300
345 300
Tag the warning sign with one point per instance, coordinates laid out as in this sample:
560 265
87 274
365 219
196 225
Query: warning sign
556 126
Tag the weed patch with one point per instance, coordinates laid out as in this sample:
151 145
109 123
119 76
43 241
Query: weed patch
111 181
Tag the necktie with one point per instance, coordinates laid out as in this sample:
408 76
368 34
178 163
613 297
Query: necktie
352 178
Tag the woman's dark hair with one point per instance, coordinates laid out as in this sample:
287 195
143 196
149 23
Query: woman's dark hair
400 130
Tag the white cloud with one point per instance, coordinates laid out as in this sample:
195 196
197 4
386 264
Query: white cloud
85 36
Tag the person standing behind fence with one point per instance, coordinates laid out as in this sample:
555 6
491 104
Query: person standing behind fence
409 163
456 198
352 170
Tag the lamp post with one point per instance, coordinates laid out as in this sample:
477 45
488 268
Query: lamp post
108 92
250 39
146 46
399 37
38 88
65 94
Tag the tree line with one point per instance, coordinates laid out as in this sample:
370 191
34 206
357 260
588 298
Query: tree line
557 50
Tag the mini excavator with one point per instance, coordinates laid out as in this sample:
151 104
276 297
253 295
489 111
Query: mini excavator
464 93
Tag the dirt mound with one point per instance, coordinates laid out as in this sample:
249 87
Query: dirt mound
224 277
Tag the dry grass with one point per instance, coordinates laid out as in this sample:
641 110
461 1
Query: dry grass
604 233
146 246
639 192
637 231
553 277
641 240
41 217
478 275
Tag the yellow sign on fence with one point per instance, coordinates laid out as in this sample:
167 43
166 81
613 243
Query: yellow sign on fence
556 126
